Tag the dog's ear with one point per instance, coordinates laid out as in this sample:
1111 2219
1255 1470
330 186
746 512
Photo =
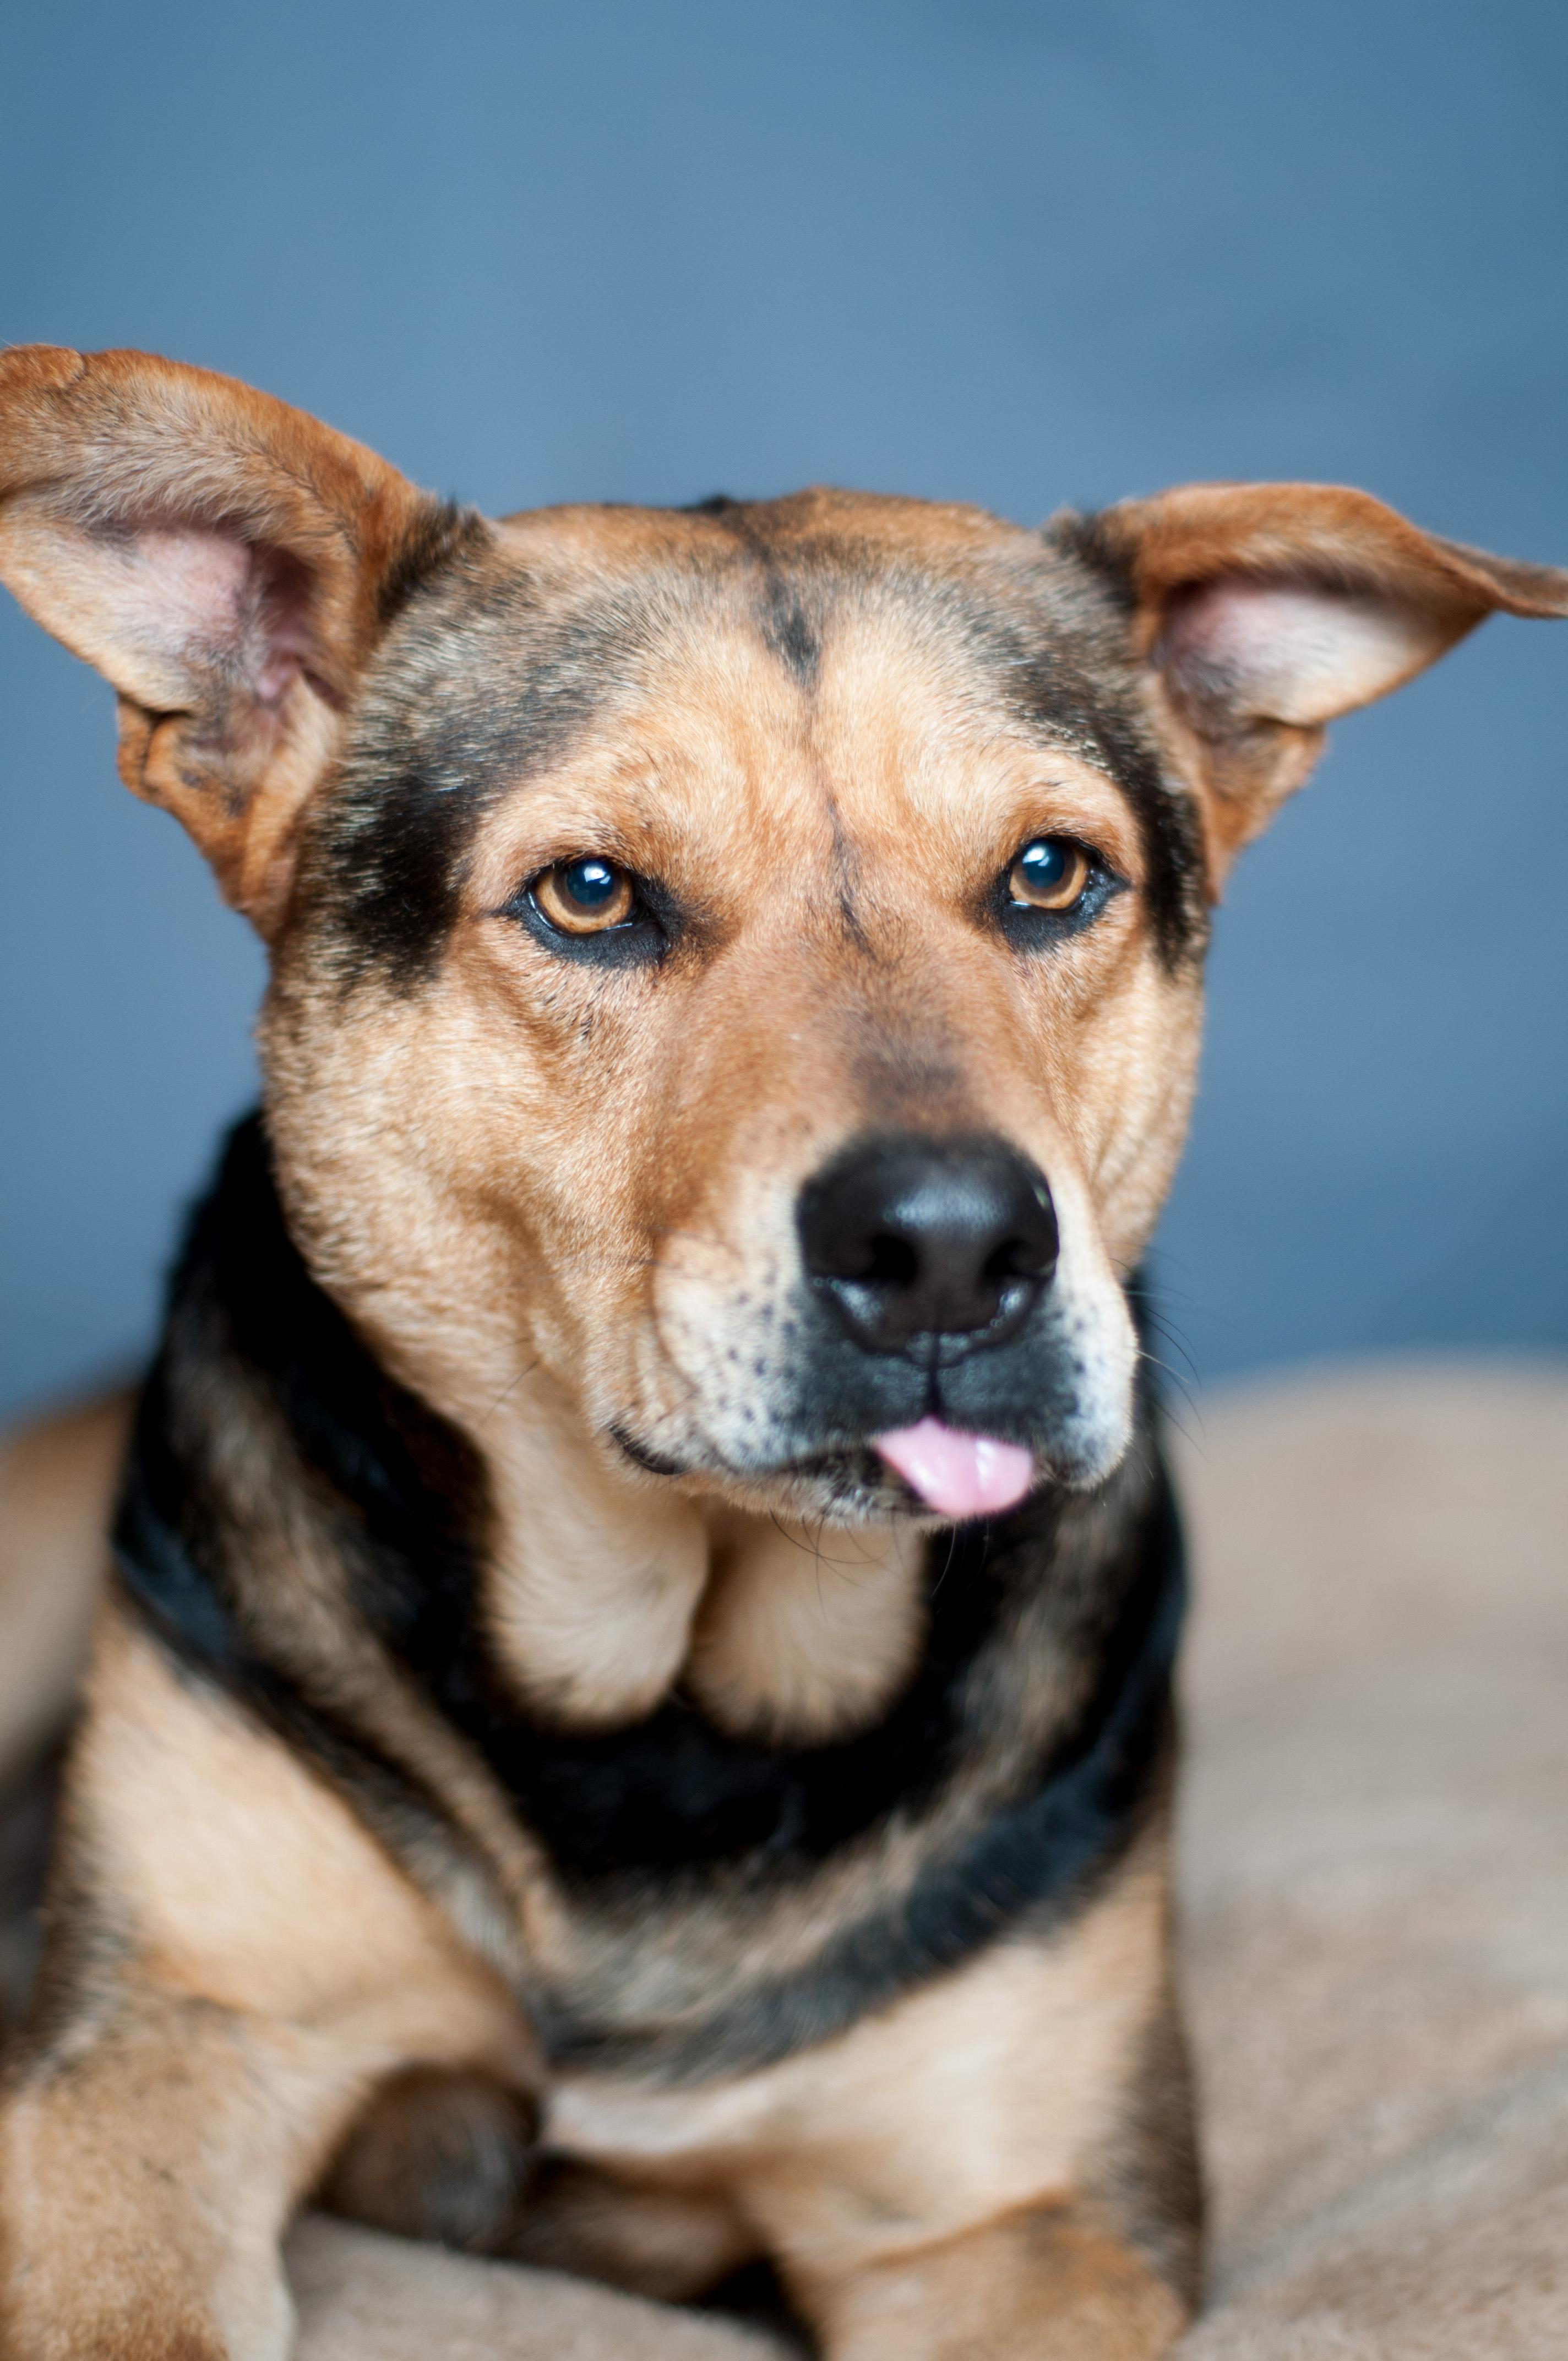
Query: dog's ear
227 562
1266 610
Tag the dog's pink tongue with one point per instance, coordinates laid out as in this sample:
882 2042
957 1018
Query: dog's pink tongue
958 1474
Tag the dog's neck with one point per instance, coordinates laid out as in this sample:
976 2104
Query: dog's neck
606 1589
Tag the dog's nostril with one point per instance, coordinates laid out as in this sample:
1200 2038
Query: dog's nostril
893 1262
908 1236
1015 1258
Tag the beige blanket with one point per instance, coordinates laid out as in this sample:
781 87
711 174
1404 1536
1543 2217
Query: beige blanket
1376 1898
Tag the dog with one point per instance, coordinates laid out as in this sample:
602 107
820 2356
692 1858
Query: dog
630 1725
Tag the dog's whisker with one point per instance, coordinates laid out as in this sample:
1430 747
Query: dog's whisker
1184 1390
507 1390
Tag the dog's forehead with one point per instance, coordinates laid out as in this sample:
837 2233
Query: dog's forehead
802 573
833 534
883 622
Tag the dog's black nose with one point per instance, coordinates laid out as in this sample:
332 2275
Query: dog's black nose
928 1237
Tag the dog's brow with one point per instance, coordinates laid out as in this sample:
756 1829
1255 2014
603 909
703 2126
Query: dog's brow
489 681
465 705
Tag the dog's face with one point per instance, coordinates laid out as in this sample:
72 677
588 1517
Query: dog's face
743 963
790 1030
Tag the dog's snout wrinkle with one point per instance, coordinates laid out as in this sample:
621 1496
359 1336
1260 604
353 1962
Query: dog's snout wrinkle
916 1240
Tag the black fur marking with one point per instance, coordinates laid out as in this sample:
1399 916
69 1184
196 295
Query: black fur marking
1084 536
180 1595
174 1536
475 695
789 633
783 604
662 1807
1167 811
446 532
1064 680
29 1815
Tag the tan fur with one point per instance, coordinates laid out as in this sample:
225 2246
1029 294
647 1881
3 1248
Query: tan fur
994 2293
596 1583
803 1634
57 1478
215 1900
562 1212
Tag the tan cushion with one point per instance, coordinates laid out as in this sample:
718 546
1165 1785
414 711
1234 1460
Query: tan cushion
1374 1872
366 2298
1376 1864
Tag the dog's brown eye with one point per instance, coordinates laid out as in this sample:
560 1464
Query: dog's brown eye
1050 874
583 897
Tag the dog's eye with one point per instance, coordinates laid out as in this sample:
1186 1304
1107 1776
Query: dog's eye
1051 873
586 896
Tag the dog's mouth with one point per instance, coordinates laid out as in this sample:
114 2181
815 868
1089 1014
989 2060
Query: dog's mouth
958 1474
936 1470
788 1409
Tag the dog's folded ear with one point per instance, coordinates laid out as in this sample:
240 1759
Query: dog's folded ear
227 562
1266 610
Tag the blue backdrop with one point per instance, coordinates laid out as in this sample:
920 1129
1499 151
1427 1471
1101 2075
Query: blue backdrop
1015 251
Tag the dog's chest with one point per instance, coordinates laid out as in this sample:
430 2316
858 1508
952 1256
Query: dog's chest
1004 2069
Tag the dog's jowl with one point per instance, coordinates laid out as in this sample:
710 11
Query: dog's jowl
630 1726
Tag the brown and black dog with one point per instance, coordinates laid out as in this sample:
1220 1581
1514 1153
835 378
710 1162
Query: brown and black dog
631 1725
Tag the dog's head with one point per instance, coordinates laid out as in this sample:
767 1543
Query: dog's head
740 964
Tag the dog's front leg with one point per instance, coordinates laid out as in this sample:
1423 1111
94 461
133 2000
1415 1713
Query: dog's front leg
1052 2283
149 2164
1000 2166
233 1964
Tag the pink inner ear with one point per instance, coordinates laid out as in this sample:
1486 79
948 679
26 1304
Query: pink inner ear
1290 649
211 596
